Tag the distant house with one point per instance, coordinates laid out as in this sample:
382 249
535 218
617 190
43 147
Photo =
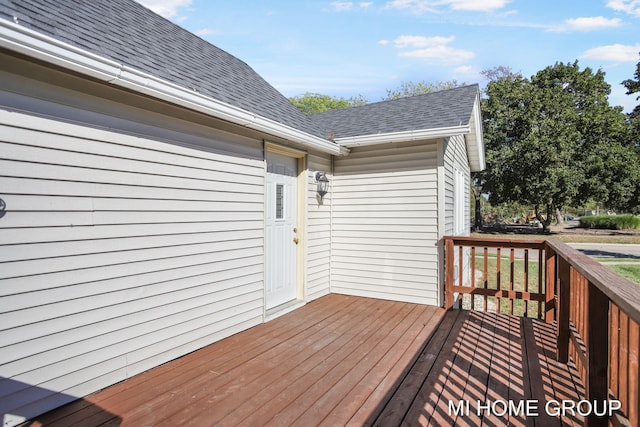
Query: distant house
158 195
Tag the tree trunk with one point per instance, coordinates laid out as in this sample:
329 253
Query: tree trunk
546 221
477 223
559 217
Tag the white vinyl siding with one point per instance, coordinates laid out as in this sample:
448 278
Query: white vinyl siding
384 222
457 204
456 169
117 254
318 229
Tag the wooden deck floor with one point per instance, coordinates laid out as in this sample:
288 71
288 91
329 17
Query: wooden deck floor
345 360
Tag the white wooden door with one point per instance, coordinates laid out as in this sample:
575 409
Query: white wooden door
281 217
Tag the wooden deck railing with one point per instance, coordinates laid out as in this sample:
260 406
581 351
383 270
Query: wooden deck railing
597 312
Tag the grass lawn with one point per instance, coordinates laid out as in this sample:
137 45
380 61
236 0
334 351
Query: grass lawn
504 276
627 267
567 238
630 271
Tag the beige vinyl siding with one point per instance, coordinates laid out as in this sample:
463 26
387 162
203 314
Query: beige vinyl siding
384 222
318 229
119 253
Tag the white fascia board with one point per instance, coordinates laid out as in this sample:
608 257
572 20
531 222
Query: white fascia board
475 141
414 135
35 45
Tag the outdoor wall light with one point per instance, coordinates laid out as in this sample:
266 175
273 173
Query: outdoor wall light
323 183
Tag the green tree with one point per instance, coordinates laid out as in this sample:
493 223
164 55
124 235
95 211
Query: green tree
478 179
554 140
407 89
633 86
312 103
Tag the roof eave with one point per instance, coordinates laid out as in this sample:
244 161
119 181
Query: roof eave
475 139
413 135
39 46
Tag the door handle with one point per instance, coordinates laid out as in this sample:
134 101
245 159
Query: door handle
295 240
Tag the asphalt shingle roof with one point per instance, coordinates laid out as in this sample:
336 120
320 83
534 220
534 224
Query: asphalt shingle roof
128 33
441 109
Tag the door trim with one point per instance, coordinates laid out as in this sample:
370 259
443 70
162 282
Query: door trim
301 217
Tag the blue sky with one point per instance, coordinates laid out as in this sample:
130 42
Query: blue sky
344 48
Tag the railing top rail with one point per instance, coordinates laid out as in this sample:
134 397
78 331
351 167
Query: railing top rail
491 242
621 291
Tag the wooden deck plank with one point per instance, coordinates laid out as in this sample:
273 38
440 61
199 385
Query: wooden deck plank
331 379
228 382
87 410
427 398
476 388
291 367
213 370
561 381
362 371
460 375
398 404
381 379
413 357
346 361
535 375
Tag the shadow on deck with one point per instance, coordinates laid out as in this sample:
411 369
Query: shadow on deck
485 359
344 360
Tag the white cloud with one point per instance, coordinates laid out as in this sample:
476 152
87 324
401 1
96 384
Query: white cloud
434 48
421 41
632 7
466 72
440 53
614 53
342 6
166 8
434 6
207 32
587 24
346 6
478 5
384 42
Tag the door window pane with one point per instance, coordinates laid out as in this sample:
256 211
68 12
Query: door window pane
279 201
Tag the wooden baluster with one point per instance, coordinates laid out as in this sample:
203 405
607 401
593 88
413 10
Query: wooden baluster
614 350
512 265
460 273
498 284
448 281
473 276
525 279
597 359
541 267
564 274
485 277
550 287
634 373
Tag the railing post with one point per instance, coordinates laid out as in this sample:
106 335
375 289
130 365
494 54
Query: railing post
597 351
564 291
448 280
550 286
